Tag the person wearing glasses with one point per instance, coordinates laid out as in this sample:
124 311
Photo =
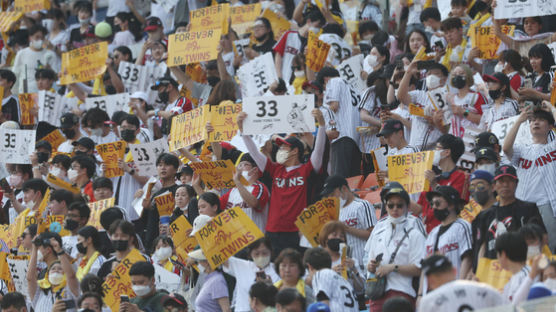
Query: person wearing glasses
396 248
25 240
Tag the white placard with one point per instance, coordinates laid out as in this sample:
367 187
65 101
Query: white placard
502 127
16 146
381 158
18 270
350 70
51 107
439 100
109 103
165 279
467 160
256 76
145 155
523 8
259 139
137 203
167 5
240 46
279 114
133 76
552 47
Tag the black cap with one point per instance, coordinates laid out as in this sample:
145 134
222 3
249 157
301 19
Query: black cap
332 183
498 77
400 191
292 142
43 144
85 142
246 157
486 139
163 81
486 153
152 23
505 170
436 263
387 187
175 300
449 193
390 126
69 120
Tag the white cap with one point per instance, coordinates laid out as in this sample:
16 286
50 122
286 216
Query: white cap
139 95
199 222
197 255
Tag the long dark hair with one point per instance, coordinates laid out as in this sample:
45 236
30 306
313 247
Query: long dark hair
224 90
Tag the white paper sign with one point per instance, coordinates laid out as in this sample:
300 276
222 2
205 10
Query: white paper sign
438 97
279 114
467 160
16 145
165 279
350 70
381 158
109 103
145 155
133 76
552 47
240 46
256 76
51 107
523 8
502 127
167 5
18 270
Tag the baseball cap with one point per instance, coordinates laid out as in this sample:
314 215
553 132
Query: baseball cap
486 139
292 142
481 174
199 222
387 187
152 23
397 191
174 299
103 30
139 95
85 142
197 255
43 144
486 153
389 127
246 157
313 84
69 120
449 193
435 263
318 307
539 290
332 183
505 170
501 78
163 81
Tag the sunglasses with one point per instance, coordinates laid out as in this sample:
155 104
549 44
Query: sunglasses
477 187
392 206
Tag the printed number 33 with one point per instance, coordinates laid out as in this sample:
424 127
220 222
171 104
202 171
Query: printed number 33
262 109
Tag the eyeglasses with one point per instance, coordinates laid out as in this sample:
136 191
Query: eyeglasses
392 206
477 187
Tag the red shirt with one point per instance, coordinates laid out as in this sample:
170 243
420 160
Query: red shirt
88 190
259 191
516 82
289 195
458 179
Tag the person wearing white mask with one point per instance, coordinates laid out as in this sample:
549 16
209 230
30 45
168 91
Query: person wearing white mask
549 275
57 34
164 254
246 272
396 248
377 58
486 159
144 286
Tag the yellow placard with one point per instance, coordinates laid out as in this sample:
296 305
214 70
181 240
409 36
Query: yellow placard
317 52
44 224
212 17
7 235
196 73
118 282
4 268
188 128
84 64
180 230
416 110
165 204
422 55
55 138
7 19
409 170
313 218
279 24
227 234
110 154
59 183
223 119
216 174
470 211
27 102
44 203
26 6
490 271
486 40
193 46
553 94
243 17
97 208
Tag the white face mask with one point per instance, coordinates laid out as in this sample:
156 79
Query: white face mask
398 220
96 132
550 283
499 68
342 202
429 29
163 253
437 157
72 175
84 21
245 175
368 37
532 251
261 262
314 29
432 81
372 60
55 278
36 44
490 168
55 171
282 156
299 73
141 290
40 257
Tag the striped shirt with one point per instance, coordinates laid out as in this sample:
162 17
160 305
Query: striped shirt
359 214
371 104
510 289
259 215
423 135
338 46
473 102
452 241
347 115
339 291
508 108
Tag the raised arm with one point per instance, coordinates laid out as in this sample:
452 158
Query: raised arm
259 157
71 279
318 151
508 147
32 273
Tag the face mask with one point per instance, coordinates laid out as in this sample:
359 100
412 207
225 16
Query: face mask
30 204
48 24
499 68
481 197
96 132
261 262
42 157
372 60
281 156
245 175
120 245
368 37
201 269
36 44
40 257
141 290
163 253
72 174
334 244
71 225
342 202
458 82
164 96
436 158
441 214
299 73
396 93
429 29
116 28
398 220
487 167
550 283
432 82
15 180
84 21
69 133
55 278
82 249
494 94
128 135
55 171
532 251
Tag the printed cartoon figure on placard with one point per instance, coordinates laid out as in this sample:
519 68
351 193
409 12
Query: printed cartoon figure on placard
24 148
295 118
545 6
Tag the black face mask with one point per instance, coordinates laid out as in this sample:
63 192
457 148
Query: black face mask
120 245
116 28
164 96
71 224
77 153
441 215
69 133
458 82
481 197
494 94
82 249
128 135
42 157
334 244
212 81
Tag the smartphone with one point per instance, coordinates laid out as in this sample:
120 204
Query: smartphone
261 275
5 185
535 104
124 299
70 304
527 83
439 45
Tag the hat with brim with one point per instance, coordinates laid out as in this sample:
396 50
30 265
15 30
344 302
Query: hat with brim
199 223
197 255
450 194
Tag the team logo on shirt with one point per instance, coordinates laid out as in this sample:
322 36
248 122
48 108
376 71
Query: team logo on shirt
541 161
291 182
351 222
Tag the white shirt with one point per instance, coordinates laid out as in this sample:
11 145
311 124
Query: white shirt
110 137
30 60
512 286
371 104
339 291
69 244
508 108
347 116
461 295
292 46
423 135
116 6
453 243
359 214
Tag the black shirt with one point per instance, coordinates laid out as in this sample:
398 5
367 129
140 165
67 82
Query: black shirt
543 83
151 219
10 108
265 47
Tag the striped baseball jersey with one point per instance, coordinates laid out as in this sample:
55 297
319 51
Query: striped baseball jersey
371 104
359 214
423 135
453 241
233 198
347 115
288 47
510 289
508 108
339 291
473 102
338 46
